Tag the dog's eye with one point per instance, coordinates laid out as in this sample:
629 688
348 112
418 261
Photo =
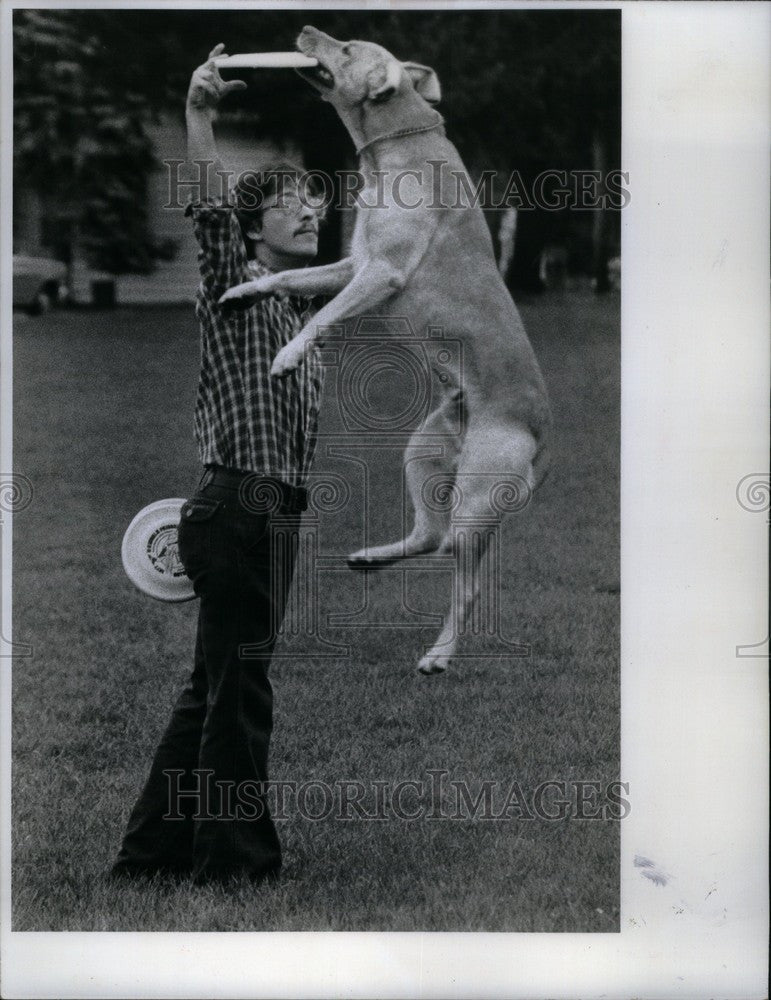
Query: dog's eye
346 50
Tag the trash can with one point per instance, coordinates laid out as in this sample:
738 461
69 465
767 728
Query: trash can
103 293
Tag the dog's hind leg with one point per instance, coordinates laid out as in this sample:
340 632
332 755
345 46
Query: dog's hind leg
429 471
494 477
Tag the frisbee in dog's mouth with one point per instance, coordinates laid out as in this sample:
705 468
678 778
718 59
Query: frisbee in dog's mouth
318 75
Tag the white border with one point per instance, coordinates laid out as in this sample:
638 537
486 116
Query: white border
695 717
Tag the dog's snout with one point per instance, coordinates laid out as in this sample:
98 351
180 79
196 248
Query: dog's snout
305 38
311 35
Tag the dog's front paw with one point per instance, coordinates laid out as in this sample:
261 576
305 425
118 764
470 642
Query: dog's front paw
249 291
289 357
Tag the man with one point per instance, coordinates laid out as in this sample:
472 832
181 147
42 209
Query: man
256 438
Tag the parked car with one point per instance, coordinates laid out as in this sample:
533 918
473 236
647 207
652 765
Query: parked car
38 283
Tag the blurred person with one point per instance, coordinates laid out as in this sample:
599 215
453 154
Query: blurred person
256 441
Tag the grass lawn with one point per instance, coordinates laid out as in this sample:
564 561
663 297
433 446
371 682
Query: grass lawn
103 426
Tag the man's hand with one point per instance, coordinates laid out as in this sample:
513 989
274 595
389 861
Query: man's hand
207 88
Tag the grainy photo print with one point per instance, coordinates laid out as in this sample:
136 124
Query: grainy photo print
316 350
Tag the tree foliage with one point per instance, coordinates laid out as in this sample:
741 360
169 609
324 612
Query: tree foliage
523 90
80 138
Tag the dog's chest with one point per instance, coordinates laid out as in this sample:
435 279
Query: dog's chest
384 221
367 229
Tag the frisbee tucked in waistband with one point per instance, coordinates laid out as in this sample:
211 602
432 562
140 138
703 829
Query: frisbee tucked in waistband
265 60
150 556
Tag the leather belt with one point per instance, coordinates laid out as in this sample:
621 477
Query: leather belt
255 489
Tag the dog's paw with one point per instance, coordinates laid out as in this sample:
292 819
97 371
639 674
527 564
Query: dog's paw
289 357
434 663
376 557
360 560
249 291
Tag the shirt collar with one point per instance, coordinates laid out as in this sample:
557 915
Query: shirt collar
259 269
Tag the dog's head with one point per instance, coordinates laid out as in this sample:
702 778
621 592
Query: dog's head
352 73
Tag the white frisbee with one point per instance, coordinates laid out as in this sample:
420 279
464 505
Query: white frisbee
150 556
265 60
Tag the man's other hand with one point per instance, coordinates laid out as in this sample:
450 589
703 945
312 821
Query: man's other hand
207 88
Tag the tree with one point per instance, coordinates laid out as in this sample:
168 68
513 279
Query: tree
523 90
80 140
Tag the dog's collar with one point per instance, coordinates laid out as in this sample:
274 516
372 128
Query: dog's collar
402 132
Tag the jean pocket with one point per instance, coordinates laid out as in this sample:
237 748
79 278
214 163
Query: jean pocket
194 533
252 531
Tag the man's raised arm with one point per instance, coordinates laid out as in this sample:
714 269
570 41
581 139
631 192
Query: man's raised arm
206 90
222 256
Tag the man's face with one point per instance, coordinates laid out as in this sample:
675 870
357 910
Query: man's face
290 228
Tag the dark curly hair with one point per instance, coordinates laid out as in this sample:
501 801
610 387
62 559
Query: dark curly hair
254 187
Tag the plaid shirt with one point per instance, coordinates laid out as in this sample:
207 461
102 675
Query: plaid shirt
245 418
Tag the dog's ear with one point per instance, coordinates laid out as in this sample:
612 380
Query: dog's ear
425 81
382 87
